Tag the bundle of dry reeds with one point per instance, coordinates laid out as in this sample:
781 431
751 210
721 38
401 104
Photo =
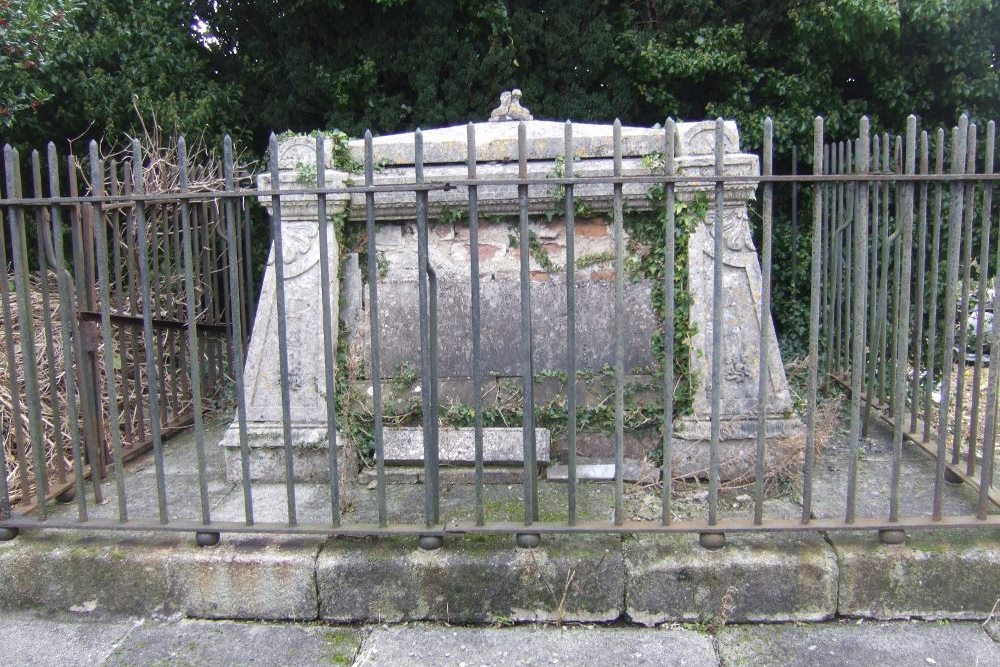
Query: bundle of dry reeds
12 379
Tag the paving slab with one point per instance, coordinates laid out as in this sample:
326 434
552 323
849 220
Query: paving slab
845 644
874 466
189 642
61 640
418 646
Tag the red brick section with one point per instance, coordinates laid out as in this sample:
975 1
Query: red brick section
540 276
602 274
594 229
486 252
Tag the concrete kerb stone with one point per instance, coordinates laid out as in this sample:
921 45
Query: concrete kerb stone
953 574
473 579
247 577
755 578
650 579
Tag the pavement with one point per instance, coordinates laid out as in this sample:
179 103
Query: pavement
85 638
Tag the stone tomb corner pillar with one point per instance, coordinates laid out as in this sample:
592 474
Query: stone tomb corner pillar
741 340
304 326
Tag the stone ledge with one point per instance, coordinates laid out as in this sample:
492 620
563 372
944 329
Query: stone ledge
771 578
474 579
246 577
953 574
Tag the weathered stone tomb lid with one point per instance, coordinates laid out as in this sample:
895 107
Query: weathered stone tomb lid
497 142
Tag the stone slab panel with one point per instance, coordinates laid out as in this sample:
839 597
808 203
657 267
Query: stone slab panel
768 578
474 579
952 574
846 644
399 325
427 646
447 475
457 445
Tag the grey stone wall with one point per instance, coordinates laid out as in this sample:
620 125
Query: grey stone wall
449 253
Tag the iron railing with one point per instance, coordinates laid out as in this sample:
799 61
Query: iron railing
887 313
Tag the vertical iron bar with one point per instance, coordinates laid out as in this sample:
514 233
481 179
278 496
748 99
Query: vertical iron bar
717 311
192 332
990 410
897 261
329 344
619 329
237 333
763 372
836 250
814 306
826 215
70 335
918 319
429 409
858 332
568 157
44 249
873 302
984 265
959 136
932 311
101 240
85 358
884 274
963 311
20 445
19 253
527 368
476 322
147 329
902 327
279 297
795 219
764 318
669 251
848 213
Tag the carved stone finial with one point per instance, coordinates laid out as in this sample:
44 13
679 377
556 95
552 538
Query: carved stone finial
510 108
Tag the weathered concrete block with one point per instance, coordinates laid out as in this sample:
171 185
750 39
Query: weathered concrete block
768 578
475 579
458 445
247 578
937 574
59 571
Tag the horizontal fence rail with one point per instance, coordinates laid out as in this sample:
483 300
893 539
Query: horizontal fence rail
154 296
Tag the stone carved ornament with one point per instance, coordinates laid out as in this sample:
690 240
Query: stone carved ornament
510 108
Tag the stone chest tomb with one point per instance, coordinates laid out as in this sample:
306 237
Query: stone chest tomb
450 254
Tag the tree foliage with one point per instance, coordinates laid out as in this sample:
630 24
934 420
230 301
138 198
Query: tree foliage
392 65
28 31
